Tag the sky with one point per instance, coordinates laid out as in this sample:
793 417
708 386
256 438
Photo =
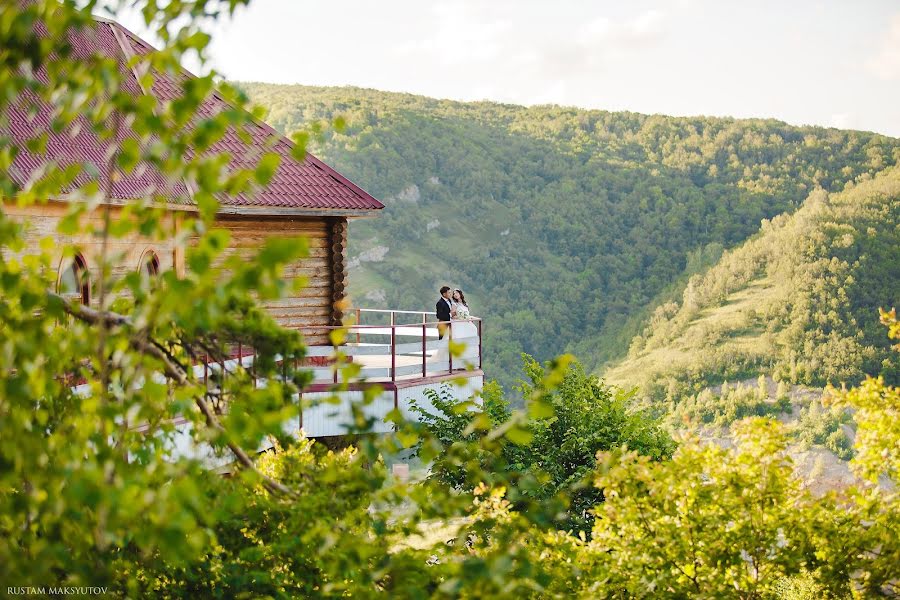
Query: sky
832 63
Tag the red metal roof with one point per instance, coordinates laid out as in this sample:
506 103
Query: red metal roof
310 184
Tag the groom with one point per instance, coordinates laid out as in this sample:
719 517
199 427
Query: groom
443 311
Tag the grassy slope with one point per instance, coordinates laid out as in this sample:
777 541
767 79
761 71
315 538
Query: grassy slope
798 300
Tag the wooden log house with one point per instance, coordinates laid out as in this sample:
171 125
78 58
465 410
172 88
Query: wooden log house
398 349
308 198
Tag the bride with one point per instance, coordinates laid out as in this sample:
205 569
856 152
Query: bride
463 328
462 331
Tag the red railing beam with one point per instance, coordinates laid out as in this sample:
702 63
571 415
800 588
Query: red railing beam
450 346
480 325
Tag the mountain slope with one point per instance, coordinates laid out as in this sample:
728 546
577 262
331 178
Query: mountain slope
561 224
798 301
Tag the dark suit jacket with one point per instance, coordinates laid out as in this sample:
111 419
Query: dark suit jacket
442 309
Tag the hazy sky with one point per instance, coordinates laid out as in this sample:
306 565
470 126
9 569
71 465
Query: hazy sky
833 63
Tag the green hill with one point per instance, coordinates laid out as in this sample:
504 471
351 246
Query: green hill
561 224
798 301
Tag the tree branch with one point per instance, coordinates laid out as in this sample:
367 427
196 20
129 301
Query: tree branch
174 371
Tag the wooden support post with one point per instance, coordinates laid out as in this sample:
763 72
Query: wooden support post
206 370
337 238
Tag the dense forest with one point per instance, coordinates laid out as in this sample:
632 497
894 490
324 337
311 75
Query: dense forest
798 301
564 226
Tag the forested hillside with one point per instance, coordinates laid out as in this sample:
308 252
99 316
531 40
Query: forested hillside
799 302
561 224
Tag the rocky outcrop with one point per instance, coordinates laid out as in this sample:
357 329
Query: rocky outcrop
410 193
376 296
372 254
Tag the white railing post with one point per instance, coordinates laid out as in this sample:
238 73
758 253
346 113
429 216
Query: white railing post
393 348
424 367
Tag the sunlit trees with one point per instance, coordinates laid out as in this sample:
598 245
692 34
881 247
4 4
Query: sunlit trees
552 455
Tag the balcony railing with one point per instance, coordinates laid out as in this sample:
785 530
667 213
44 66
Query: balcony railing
405 346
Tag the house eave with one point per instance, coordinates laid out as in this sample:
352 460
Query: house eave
232 210
283 211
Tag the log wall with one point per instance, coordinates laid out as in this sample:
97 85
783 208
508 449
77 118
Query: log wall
318 304
125 254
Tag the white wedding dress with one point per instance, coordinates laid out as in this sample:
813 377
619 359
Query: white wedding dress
462 331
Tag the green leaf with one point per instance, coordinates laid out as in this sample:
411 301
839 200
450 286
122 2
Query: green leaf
519 436
540 409
266 168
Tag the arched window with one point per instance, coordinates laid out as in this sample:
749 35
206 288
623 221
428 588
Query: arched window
149 265
75 281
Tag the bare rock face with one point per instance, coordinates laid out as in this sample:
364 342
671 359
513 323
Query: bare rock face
373 254
410 193
433 180
376 296
432 224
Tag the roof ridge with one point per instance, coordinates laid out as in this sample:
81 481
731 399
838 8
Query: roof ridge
129 53
297 186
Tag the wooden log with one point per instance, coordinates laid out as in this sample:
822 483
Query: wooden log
300 299
256 242
321 311
324 253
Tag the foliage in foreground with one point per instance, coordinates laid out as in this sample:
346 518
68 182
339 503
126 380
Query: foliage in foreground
552 455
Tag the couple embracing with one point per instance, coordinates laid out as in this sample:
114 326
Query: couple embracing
454 316
450 307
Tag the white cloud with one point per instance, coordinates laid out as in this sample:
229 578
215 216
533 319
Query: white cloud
886 64
648 25
486 41
465 33
645 29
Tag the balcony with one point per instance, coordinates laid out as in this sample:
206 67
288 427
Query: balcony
399 351
400 346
